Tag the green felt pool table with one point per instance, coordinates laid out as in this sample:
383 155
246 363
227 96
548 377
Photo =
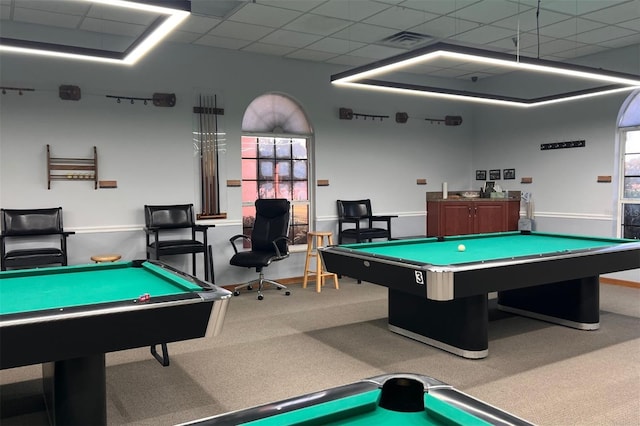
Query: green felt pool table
390 399
438 293
68 317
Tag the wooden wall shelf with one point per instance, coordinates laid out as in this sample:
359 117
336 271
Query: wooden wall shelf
79 169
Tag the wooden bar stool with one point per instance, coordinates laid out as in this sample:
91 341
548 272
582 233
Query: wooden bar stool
312 251
101 258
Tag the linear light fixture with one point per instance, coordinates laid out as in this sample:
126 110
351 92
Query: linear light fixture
172 13
363 76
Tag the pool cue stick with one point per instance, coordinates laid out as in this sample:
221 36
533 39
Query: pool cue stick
200 146
206 155
211 153
215 153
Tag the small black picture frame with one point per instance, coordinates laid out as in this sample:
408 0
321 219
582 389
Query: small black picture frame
509 174
488 186
481 175
494 174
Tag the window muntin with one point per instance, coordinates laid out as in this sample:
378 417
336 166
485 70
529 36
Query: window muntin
276 168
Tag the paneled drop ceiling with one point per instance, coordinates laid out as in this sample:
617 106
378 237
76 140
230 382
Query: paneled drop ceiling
345 32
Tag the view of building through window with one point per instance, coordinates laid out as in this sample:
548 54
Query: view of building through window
276 167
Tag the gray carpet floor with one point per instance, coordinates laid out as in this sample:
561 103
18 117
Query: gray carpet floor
286 346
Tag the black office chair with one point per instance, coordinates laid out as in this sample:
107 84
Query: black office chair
173 220
269 243
33 224
358 217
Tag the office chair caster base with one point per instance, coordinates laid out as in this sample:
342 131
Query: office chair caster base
236 293
260 297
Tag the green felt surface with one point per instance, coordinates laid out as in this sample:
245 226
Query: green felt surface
68 286
482 247
363 409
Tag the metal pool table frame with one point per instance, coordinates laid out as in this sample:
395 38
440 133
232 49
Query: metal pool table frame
71 342
440 390
446 306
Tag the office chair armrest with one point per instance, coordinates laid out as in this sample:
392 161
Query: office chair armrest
151 230
203 228
276 241
37 234
233 239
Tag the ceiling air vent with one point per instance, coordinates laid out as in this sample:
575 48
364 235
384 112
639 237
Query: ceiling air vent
406 40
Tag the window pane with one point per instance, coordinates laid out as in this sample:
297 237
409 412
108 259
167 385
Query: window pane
300 191
249 191
249 169
298 234
300 214
266 190
300 169
283 148
632 146
631 214
266 169
284 170
249 147
299 148
265 147
284 190
632 165
632 187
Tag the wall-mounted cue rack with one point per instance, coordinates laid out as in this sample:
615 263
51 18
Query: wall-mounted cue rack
80 169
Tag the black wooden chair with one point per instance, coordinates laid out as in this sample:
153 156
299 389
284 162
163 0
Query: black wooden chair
357 222
21 226
173 221
269 243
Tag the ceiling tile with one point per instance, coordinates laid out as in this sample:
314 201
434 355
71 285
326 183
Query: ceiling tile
310 55
484 34
121 14
254 13
198 24
316 24
527 20
603 34
334 45
352 61
377 52
579 7
268 49
290 38
353 11
479 12
223 42
570 27
621 42
400 18
632 24
615 14
445 27
111 27
240 31
71 7
183 37
46 18
364 33
438 7
301 5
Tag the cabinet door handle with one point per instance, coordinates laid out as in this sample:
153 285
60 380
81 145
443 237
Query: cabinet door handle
469 211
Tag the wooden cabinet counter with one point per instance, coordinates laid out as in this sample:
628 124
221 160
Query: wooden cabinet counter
458 216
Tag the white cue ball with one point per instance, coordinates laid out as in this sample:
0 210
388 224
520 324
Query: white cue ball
461 247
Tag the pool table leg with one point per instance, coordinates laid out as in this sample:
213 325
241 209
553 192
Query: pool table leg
573 303
458 326
76 390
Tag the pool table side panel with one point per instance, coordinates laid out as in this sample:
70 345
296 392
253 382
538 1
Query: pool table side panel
461 324
543 271
574 303
78 336
394 275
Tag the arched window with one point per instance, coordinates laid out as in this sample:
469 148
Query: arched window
629 199
276 163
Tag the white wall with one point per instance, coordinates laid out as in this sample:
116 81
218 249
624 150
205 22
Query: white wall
149 150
